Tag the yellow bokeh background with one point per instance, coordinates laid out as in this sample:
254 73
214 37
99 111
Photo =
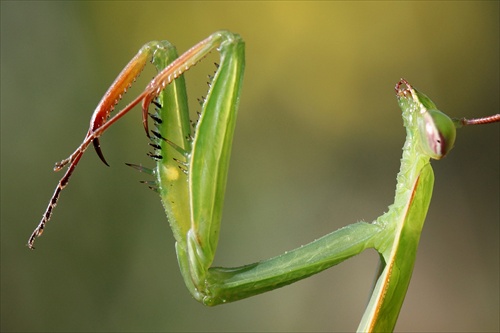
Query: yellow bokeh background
317 146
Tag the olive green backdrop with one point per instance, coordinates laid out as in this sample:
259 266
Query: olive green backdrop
317 146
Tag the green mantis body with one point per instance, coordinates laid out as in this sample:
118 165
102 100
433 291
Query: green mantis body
191 172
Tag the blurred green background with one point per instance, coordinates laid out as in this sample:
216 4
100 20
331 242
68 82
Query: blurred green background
317 146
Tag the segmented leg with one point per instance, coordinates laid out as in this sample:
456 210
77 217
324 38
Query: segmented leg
53 201
101 120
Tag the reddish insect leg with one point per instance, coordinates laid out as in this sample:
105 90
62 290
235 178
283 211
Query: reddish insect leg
111 98
53 201
100 120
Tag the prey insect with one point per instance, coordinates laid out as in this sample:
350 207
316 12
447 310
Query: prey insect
192 166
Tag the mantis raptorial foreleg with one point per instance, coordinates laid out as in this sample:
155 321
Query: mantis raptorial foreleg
191 172
100 119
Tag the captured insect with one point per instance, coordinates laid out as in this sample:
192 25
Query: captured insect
191 172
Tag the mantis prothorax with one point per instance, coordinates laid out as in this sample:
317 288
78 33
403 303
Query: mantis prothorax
191 171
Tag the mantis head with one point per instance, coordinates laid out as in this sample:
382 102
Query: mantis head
437 131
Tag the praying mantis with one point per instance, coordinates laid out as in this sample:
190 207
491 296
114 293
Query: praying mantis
191 172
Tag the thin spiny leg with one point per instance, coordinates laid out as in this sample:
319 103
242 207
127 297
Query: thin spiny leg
100 120
53 201
164 78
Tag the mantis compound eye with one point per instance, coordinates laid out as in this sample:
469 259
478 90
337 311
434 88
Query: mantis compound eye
437 133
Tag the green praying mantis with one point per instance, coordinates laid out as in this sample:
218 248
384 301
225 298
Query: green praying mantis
192 166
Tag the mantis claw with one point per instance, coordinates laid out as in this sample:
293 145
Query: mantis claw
148 99
98 150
